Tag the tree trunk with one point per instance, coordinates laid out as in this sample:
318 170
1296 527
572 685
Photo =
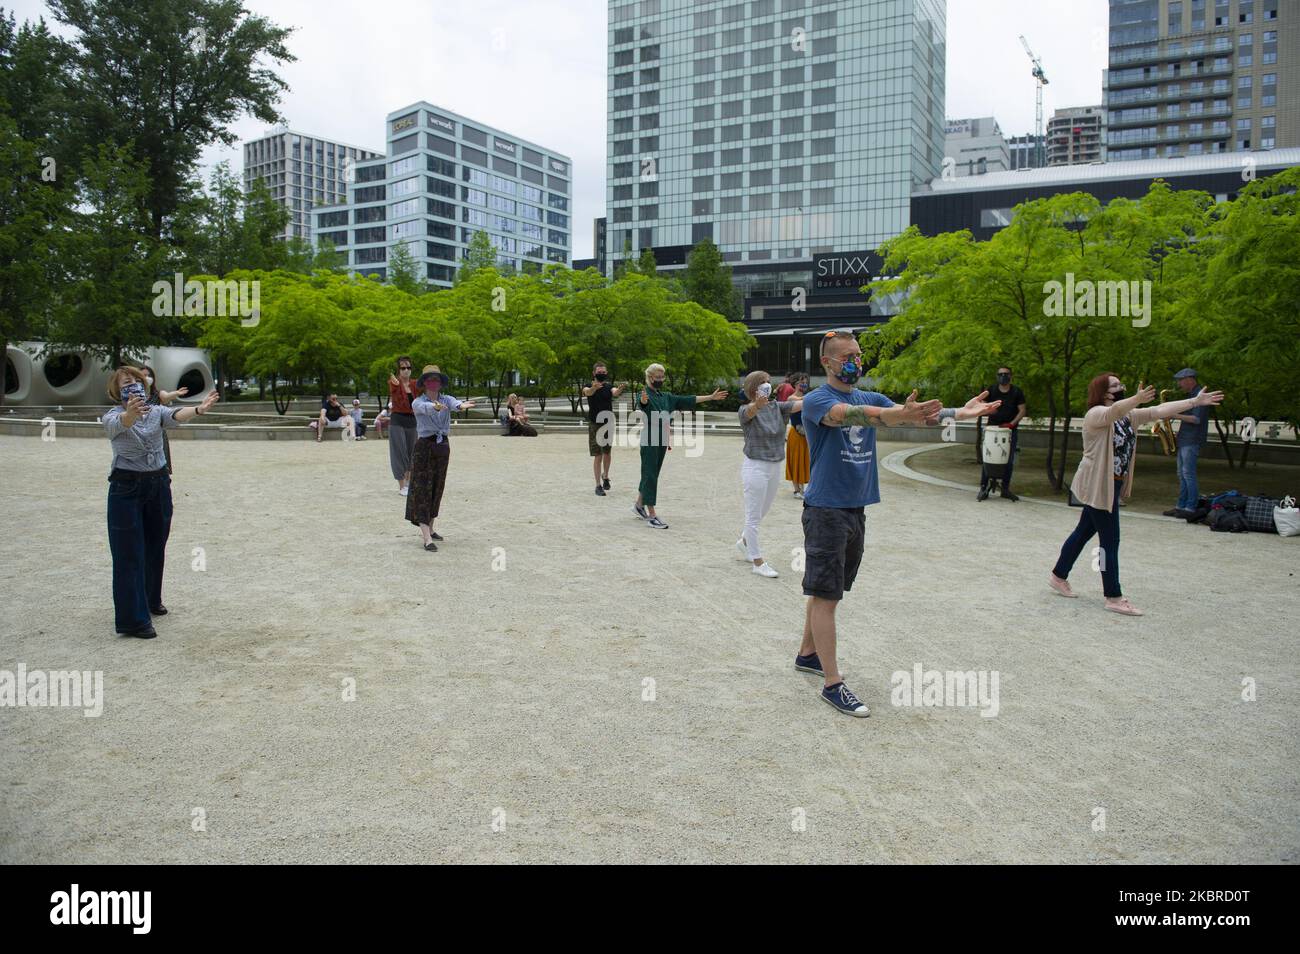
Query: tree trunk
281 401
1223 440
1065 448
1051 442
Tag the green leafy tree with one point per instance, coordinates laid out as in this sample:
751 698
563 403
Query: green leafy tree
646 264
480 253
403 270
971 305
34 94
112 263
707 281
1242 316
167 78
33 216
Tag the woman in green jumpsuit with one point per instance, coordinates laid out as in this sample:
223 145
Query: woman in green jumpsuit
658 406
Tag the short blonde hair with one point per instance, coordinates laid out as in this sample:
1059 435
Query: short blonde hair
753 380
122 377
652 369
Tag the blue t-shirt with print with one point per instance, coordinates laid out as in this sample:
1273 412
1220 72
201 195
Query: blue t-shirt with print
843 458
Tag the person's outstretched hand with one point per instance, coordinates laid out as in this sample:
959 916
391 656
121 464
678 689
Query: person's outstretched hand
921 412
977 407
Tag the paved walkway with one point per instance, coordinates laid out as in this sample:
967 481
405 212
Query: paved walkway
561 683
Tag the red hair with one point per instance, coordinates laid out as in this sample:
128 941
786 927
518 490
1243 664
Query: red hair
1098 388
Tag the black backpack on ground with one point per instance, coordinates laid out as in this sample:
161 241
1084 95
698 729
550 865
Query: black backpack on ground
1225 520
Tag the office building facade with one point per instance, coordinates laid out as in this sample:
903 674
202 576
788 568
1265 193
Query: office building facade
1027 151
1191 77
779 129
789 132
443 178
1075 135
974 147
301 171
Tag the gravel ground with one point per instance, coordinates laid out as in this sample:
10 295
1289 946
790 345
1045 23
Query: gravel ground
561 683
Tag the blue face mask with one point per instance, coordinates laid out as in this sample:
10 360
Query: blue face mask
132 390
849 372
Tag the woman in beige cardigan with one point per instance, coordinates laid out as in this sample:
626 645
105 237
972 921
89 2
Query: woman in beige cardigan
1105 476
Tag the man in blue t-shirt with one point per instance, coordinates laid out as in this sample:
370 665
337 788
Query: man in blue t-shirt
841 422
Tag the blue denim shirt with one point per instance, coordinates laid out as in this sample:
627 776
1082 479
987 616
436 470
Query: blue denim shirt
430 422
140 446
1194 435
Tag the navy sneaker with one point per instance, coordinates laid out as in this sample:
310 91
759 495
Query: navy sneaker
600 492
809 663
640 511
605 483
841 698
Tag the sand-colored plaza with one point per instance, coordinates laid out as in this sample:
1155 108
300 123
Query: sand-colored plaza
561 683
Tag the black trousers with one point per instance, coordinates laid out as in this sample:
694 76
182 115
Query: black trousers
139 523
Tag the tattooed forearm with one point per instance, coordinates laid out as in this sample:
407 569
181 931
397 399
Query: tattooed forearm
855 415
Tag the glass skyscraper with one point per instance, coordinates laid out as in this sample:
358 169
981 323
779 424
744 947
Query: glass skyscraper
445 177
780 129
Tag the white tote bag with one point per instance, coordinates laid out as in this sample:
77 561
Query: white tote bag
1287 518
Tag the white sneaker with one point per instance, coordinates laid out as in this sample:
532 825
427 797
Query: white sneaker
765 569
405 491
742 552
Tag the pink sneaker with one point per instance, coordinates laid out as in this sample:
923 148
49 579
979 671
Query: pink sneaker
1061 586
1123 607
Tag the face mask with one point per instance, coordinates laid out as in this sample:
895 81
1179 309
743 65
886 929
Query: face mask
134 389
1118 395
656 385
602 376
1004 379
764 389
849 372
148 382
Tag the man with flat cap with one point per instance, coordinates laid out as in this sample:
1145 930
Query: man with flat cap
1192 433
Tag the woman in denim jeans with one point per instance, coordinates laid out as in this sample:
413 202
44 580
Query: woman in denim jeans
139 498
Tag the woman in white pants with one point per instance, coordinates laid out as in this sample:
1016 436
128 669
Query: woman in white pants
763 423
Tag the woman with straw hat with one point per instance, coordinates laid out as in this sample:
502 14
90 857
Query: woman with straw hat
432 411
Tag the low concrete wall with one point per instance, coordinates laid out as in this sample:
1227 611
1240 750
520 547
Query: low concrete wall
717 424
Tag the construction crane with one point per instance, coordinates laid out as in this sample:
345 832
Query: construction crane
1041 79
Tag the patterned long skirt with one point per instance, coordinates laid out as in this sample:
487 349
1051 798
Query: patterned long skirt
428 477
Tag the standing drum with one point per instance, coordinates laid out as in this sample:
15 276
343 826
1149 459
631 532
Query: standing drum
997 451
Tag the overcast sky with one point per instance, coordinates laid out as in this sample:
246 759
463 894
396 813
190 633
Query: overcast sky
536 68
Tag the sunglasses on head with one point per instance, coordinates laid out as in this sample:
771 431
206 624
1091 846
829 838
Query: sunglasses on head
834 334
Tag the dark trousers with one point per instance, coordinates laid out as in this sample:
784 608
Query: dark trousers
139 522
1105 524
986 480
652 461
441 456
